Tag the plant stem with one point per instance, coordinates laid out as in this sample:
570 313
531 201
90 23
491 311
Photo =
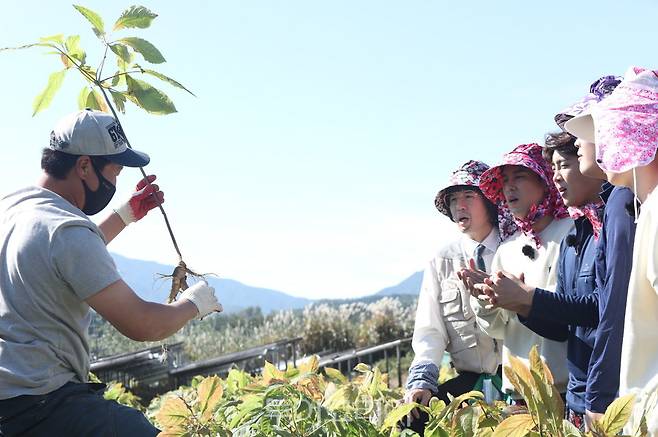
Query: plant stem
164 214
120 74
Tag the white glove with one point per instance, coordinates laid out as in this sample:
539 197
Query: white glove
203 297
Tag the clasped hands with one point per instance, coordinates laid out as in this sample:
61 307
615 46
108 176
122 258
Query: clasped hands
499 290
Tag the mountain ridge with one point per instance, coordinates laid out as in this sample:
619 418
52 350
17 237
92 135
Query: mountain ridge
234 295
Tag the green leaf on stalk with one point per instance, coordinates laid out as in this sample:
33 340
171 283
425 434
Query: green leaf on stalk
43 100
148 97
82 97
73 48
27 46
167 79
135 16
53 38
96 21
119 101
96 101
122 52
146 49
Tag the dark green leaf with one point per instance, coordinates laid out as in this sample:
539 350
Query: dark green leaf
43 100
145 48
169 80
122 52
135 16
119 101
149 98
96 21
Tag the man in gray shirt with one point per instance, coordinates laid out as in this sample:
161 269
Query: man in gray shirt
55 266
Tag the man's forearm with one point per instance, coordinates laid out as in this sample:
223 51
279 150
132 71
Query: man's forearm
111 226
161 321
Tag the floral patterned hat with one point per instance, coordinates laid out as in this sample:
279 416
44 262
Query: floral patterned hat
599 90
468 175
626 123
528 156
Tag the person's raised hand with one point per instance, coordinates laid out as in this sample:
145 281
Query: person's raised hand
203 297
146 197
472 276
510 292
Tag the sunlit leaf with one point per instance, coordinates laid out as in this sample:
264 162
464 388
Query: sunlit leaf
97 102
335 375
82 97
362 368
59 38
146 49
74 50
167 79
209 392
570 429
397 414
135 16
272 374
173 413
617 414
514 426
96 21
310 365
43 100
149 98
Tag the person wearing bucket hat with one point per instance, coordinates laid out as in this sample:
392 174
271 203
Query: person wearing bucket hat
55 267
523 183
571 312
445 321
614 255
625 130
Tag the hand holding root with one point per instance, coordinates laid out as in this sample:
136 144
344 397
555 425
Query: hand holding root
203 297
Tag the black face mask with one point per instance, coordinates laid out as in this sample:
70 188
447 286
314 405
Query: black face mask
95 201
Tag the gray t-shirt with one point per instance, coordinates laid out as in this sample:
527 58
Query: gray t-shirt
53 258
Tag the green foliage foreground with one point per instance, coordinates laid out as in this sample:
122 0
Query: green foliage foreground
306 402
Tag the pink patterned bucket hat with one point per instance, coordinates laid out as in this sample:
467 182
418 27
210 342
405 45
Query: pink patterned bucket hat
528 156
599 90
468 175
624 126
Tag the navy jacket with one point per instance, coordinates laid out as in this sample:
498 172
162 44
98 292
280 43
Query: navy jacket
571 313
613 269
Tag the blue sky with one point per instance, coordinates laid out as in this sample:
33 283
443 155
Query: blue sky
322 130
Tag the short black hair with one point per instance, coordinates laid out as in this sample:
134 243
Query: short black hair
562 142
58 164
492 209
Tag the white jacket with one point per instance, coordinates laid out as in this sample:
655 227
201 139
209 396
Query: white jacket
539 272
445 320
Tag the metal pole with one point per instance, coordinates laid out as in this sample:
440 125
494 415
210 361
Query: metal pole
294 354
388 380
397 353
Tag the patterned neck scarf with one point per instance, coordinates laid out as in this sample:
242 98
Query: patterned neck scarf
530 157
594 213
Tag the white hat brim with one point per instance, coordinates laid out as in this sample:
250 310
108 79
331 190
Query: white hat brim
581 126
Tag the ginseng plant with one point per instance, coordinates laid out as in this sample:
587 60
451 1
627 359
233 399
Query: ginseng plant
122 85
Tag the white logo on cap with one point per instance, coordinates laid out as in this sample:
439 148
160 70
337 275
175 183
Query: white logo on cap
117 135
